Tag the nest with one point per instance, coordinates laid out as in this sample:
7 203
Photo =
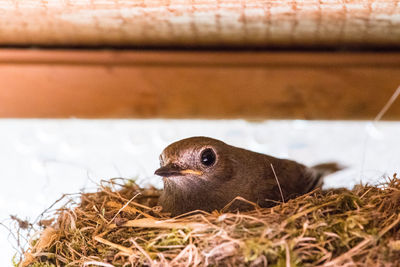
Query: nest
120 225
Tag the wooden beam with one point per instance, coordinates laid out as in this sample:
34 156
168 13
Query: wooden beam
205 23
197 84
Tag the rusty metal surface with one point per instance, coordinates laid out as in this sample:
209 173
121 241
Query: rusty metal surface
200 22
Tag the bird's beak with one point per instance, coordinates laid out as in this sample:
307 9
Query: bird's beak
174 170
168 170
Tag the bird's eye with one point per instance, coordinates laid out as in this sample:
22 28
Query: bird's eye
208 157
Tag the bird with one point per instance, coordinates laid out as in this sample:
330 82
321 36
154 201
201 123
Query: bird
202 173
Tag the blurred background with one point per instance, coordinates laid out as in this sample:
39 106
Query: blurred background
92 90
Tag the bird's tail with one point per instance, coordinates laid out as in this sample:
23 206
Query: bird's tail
322 170
328 168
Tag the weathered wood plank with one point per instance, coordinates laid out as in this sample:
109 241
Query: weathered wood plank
201 23
172 84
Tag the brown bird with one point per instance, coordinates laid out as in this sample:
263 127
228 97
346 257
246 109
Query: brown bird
202 173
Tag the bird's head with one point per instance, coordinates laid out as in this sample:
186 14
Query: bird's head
195 159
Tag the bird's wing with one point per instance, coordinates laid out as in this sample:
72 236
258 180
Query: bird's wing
297 179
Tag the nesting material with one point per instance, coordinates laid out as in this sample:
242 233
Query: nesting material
123 227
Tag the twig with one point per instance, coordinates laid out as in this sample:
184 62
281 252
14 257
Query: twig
388 105
113 245
277 181
287 254
52 205
378 117
142 251
152 223
238 198
123 207
128 209
97 263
